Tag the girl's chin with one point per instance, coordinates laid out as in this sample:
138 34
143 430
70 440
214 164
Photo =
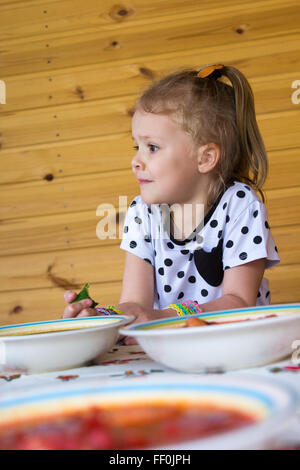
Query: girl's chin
152 200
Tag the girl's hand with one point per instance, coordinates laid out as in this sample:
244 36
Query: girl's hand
78 309
142 314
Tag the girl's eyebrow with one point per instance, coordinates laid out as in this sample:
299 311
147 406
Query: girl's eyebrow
142 137
145 137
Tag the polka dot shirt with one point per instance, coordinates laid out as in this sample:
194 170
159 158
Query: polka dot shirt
235 231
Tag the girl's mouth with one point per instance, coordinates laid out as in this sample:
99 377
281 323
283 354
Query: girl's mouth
144 181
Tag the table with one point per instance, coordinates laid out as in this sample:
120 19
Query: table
132 361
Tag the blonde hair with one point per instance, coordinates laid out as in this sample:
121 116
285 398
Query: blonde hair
212 110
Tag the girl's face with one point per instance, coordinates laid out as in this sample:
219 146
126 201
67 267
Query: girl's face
166 156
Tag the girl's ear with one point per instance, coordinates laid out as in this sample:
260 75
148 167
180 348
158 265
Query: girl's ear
208 157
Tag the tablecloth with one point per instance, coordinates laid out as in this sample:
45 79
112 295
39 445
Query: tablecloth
131 361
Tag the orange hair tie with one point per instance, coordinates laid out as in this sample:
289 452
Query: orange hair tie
207 70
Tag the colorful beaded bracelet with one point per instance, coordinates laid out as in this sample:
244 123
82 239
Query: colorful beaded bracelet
187 307
109 310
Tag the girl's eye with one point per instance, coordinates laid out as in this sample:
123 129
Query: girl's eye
153 148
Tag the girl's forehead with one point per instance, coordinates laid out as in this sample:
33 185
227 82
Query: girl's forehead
146 124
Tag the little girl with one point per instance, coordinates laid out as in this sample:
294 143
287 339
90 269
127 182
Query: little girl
198 146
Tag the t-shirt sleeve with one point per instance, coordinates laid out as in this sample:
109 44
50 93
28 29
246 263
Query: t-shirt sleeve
250 238
136 233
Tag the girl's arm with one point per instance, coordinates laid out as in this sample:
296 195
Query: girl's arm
137 296
240 287
138 282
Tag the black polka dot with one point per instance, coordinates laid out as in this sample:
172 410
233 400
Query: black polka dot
220 233
245 230
227 219
133 203
226 267
199 239
167 288
257 240
155 253
147 238
170 245
138 220
133 244
149 210
204 293
241 194
255 213
192 279
229 244
158 296
126 229
243 256
180 295
225 205
161 271
184 252
191 257
168 262
266 224
214 223
148 260
247 187
275 247
259 294
180 274
267 294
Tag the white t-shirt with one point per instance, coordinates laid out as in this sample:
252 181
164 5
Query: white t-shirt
235 231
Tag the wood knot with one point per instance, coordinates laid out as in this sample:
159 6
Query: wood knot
123 12
16 309
115 44
79 91
60 281
242 29
120 12
49 177
146 72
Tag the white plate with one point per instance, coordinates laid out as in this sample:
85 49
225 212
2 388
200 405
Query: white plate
228 346
57 344
269 402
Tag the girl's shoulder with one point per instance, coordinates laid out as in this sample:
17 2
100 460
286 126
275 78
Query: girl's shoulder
238 197
137 205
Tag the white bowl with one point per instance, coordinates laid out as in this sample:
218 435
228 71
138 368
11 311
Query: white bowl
226 346
270 403
57 344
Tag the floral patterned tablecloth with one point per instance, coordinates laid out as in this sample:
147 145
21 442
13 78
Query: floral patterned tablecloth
132 361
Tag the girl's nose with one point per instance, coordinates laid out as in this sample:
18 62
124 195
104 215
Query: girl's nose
137 162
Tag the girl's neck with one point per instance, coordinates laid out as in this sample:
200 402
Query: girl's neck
188 215
184 222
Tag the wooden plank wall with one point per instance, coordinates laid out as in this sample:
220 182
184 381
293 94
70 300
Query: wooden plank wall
72 71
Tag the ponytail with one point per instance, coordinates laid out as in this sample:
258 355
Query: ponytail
254 155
